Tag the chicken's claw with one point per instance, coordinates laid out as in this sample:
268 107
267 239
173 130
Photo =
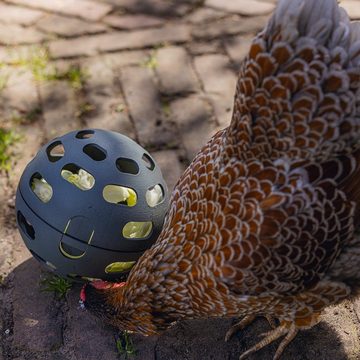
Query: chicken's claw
271 336
247 320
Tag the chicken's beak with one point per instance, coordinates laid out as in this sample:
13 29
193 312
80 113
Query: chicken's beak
98 285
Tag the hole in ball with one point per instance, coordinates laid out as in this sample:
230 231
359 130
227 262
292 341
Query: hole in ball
155 195
127 166
120 195
41 188
55 151
70 251
95 152
78 177
149 162
137 229
25 225
85 134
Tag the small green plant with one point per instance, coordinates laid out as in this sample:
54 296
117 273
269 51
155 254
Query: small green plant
37 60
4 78
7 139
75 76
166 108
84 109
124 345
120 108
151 61
56 284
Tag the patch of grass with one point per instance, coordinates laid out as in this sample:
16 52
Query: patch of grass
124 345
7 139
120 108
84 109
56 284
166 108
4 78
38 62
151 61
76 77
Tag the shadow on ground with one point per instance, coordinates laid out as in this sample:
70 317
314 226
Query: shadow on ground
44 327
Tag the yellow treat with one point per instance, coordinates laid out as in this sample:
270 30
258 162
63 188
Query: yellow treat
119 267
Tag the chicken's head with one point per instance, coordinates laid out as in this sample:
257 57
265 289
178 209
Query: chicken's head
108 302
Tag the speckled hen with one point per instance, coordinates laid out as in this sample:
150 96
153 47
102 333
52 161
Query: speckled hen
262 223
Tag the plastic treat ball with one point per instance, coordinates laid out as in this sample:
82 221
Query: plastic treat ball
90 203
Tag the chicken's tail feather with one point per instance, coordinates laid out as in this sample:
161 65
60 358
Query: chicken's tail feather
299 88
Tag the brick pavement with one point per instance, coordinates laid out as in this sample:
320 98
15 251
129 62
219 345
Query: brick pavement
162 72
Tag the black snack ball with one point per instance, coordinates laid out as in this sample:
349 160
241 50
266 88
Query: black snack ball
90 203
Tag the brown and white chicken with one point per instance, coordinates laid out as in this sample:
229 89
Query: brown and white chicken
263 221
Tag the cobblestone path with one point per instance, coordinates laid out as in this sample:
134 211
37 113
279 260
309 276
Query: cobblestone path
162 72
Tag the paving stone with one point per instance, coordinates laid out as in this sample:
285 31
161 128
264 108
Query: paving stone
194 118
85 337
37 325
238 47
166 8
172 169
86 9
12 34
12 54
175 71
219 83
65 26
124 58
106 114
196 335
223 106
121 40
15 14
59 108
352 7
229 26
130 22
205 47
204 14
143 99
243 7
83 46
20 93
216 73
144 38
323 342
103 93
